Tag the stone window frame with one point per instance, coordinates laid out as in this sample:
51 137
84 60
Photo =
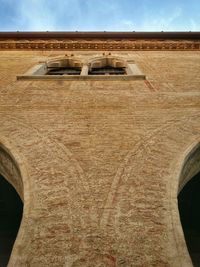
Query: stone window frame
63 63
38 72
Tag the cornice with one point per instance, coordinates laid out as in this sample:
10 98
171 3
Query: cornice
100 35
107 45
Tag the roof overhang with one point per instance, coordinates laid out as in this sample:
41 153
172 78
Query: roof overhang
101 35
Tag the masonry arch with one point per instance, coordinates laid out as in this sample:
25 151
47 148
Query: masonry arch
189 203
64 62
107 60
11 204
64 66
107 65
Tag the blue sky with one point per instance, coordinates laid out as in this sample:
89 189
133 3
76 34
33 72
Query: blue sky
99 15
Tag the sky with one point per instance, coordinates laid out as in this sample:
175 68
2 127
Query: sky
99 15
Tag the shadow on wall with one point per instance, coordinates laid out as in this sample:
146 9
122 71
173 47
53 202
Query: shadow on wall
11 209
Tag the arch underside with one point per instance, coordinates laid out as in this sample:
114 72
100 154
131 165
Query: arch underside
10 170
12 198
188 203
11 210
191 166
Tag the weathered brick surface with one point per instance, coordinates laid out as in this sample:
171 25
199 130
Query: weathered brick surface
101 160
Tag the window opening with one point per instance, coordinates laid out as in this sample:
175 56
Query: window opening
107 70
65 66
63 71
107 66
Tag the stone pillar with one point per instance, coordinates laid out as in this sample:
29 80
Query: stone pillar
84 70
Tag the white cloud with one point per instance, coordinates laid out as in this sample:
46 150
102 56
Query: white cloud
70 15
43 15
194 26
34 15
127 25
88 15
161 21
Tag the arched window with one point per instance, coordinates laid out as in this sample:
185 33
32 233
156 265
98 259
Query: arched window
11 208
64 66
107 66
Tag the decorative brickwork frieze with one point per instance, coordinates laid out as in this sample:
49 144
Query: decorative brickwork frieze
99 45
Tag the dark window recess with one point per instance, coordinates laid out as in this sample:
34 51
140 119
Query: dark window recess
107 71
11 208
63 71
188 203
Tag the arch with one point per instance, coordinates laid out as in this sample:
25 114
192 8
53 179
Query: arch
11 210
100 62
190 166
107 65
111 65
13 169
64 66
184 173
64 62
188 196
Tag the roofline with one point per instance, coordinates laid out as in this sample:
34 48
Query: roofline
101 35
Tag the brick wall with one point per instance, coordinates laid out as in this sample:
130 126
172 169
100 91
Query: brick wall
102 160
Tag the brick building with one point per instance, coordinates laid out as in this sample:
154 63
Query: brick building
99 136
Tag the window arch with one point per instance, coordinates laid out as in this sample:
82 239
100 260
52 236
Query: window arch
64 66
107 66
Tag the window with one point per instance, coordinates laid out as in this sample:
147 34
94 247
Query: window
64 67
63 71
106 67
107 70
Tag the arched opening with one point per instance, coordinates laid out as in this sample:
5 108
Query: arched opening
189 204
107 66
64 66
11 209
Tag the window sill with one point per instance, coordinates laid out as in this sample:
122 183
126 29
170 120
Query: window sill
83 77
